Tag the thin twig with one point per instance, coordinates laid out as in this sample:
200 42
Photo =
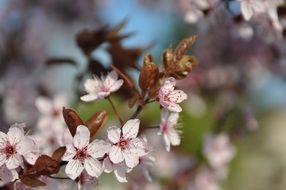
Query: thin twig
115 111
55 177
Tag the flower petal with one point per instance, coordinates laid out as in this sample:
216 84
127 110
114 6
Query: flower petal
178 96
70 153
31 157
89 97
93 167
98 148
81 138
173 118
15 133
7 175
110 79
113 134
174 137
120 174
14 161
2 159
25 146
116 85
115 154
174 107
60 101
168 86
3 140
167 142
130 128
131 159
44 105
137 146
91 85
107 165
74 169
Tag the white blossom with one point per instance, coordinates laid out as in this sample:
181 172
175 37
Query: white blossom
15 145
83 155
101 88
168 129
126 146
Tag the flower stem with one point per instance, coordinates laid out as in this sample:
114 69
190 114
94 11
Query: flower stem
115 111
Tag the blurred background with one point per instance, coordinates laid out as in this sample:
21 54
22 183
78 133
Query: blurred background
238 87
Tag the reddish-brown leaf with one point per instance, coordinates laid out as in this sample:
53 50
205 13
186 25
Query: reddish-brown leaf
44 165
97 121
72 120
58 154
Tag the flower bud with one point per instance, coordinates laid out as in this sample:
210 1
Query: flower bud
149 75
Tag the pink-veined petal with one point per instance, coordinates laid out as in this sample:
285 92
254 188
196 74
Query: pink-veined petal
174 137
98 148
25 146
7 175
131 159
92 85
116 85
120 174
130 128
70 153
167 142
168 86
3 140
2 159
110 79
93 167
177 96
81 137
107 165
44 105
113 134
174 107
115 154
173 118
137 146
89 97
31 157
14 161
15 134
74 169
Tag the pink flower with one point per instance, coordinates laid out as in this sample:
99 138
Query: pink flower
15 145
101 88
125 144
205 179
168 124
83 155
218 150
120 169
169 97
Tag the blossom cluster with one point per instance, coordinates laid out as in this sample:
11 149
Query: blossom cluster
85 157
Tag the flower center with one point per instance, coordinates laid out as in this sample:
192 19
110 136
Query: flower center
165 127
81 154
9 150
55 113
104 89
123 143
